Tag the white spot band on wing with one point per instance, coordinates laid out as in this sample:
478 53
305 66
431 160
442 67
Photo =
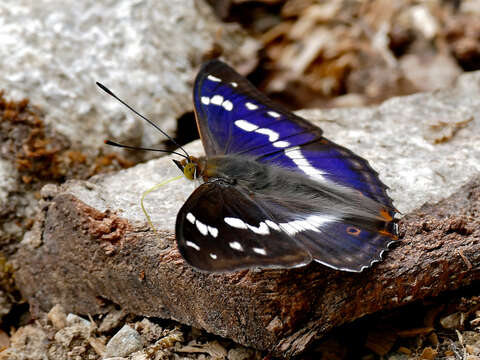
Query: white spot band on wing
201 227
272 135
260 251
273 114
213 78
236 245
213 231
235 223
281 144
217 100
190 217
245 125
193 245
303 164
310 223
227 105
262 229
272 225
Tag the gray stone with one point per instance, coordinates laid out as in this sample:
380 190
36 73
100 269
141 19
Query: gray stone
124 342
77 327
75 320
146 51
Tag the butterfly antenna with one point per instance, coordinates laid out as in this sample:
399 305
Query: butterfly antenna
109 142
109 92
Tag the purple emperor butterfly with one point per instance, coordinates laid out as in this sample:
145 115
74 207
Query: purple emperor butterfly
275 192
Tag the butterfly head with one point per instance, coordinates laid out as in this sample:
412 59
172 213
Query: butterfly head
190 167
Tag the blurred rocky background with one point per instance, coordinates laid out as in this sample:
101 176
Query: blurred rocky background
302 53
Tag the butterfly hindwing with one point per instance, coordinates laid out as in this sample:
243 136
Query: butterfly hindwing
334 238
219 228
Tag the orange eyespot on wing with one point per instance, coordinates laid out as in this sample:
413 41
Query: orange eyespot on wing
387 233
354 231
385 214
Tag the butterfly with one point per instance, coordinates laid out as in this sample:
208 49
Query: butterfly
275 192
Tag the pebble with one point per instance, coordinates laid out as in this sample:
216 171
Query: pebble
123 343
57 317
453 321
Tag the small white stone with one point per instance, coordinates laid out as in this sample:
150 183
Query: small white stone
57 316
73 319
124 342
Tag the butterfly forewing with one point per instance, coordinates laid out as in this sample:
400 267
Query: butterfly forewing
219 228
233 117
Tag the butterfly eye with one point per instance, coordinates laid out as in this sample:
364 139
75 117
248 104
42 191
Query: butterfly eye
190 170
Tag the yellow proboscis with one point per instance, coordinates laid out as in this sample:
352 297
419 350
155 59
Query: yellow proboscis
145 193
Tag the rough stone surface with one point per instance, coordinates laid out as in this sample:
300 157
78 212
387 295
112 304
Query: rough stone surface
146 51
29 342
92 245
